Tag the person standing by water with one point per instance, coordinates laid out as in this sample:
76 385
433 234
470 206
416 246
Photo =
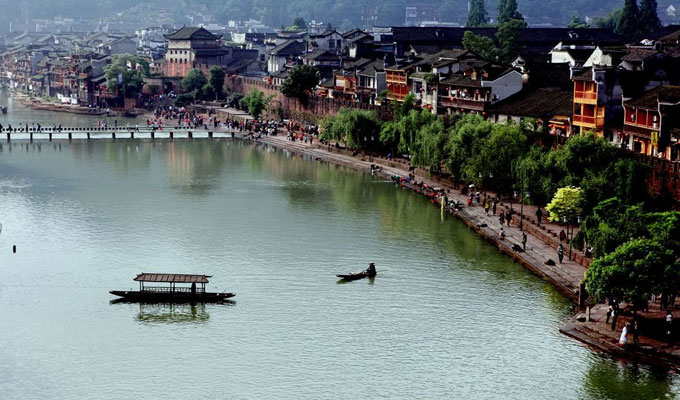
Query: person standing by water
560 252
493 207
524 241
615 316
486 207
501 218
623 340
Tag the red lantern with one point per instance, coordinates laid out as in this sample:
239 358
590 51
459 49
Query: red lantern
451 98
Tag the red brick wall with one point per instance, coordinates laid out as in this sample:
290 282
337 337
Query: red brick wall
664 178
315 106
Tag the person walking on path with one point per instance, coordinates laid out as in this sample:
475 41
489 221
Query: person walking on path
486 208
615 316
524 241
539 215
493 207
501 218
508 217
609 313
563 236
560 252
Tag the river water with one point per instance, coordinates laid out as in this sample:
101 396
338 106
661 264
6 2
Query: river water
448 316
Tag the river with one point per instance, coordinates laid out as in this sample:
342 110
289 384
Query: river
448 316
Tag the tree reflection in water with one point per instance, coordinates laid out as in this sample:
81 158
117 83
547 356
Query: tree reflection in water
609 379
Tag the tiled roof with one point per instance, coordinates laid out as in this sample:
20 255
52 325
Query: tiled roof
289 47
189 32
637 55
537 103
650 99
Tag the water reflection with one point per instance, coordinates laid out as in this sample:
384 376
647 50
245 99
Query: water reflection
195 167
607 379
167 313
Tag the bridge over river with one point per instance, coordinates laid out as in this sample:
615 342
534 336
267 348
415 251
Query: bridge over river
113 133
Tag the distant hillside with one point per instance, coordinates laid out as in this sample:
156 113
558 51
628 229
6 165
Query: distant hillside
277 13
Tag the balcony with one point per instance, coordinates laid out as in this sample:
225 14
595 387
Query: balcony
585 97
462 103
589 121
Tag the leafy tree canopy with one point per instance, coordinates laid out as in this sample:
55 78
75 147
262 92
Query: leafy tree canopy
194 81
567 202
633 272
300 82
216 81
477 16
120 77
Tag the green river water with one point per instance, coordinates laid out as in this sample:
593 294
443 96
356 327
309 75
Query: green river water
448 316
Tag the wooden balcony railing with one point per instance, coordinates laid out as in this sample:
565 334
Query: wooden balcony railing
584 119
585 95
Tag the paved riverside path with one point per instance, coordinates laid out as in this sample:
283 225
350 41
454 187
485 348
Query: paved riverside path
566 277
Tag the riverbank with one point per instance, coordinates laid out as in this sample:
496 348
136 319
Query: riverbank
42 104
539 257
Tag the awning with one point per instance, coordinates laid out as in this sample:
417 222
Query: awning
172 278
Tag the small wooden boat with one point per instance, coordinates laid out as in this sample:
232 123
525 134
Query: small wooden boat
370 272
171 293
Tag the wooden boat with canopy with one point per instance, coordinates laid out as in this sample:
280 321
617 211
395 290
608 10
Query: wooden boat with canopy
182 288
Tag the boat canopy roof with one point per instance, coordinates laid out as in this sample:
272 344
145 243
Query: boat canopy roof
173 278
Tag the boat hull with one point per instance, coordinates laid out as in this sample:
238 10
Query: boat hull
146 297
355 276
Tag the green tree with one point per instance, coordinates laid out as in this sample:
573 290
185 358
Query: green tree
482 46
633 272
477 16
216 81
299 24
507 11
497 154
628 23
567 202
194 81
356 128
608 21
463 143
577 22
508 38
429 147
300 82
121 79
255 102
648 17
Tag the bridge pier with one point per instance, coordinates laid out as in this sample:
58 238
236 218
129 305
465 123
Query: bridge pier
113 135
50 136
88 135
153 135
210 135
70 136
172 135
132 135
191 135
31 136
8 134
